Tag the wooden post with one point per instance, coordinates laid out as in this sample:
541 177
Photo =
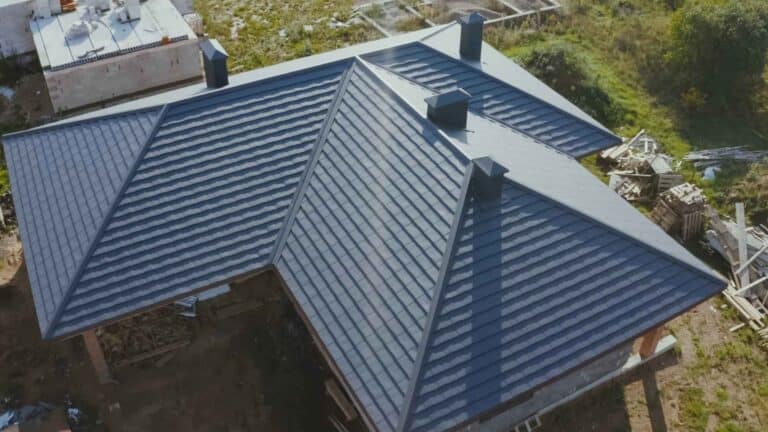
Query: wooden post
649 341
97 357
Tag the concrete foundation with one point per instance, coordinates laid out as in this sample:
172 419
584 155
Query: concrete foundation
15 36
100 81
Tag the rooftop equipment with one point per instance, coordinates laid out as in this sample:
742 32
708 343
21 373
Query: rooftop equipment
471 43
449 109
487 179
214 63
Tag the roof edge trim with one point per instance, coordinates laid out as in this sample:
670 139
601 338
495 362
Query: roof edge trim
316 150
450 250
50 331
66 123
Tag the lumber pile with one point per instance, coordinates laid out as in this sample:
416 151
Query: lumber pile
705 158
680 211
145 336
639 169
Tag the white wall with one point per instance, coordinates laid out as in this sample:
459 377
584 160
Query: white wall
123 75
15 37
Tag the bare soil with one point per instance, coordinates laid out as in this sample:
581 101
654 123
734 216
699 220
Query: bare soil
256 371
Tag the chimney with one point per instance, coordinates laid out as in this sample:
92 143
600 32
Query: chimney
487 179
214 63
449 109
471 36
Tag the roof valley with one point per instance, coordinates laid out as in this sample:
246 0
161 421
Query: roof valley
304 182
410 397
104 224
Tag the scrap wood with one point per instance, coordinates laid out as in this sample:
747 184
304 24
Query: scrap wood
234 309
726 153
153 353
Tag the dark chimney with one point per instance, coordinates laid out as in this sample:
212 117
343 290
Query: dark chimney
214 63
487 179
449 109
471 36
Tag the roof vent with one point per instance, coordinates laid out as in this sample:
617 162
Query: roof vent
471 36
214 63
449 109
487 179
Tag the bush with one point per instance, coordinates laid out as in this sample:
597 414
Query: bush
570 76
719 48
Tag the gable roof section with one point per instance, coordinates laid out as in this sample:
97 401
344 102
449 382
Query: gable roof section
495 99
533 290
64 179
367 241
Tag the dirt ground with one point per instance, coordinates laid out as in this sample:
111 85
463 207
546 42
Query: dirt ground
256 371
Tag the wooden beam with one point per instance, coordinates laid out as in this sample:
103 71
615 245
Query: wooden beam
97 357
741 238
649 341
338 396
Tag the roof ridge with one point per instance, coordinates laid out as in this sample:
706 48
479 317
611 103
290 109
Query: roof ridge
49 332
437 52
450 249
307 175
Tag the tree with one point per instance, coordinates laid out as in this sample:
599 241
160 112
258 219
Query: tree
719 49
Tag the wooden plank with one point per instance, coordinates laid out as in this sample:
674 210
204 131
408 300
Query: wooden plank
649 342
153 353
338 396
97 357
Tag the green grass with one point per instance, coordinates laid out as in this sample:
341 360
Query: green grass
694 412
617 40
274 32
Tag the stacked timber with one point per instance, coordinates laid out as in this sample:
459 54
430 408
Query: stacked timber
680 211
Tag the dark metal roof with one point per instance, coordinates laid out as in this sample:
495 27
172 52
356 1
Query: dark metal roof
328 173
533 290
496 99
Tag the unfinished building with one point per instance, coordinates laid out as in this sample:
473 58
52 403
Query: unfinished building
453 280
96 52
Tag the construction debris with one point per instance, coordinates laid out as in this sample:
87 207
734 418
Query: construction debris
702 159
145 336
680 211
640 171
746 250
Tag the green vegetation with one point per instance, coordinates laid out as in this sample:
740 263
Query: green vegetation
624 62
258 33
694 412
717 52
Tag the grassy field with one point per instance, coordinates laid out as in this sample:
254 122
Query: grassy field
611 39
258 33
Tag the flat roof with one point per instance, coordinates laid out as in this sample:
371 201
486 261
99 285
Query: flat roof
159 19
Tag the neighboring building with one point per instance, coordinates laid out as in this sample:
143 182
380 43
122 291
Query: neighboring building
15 35
458 269
95 53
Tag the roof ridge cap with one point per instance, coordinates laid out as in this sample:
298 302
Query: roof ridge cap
450 249
49 331
310 169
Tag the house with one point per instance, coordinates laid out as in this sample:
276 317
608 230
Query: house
423 207
100 51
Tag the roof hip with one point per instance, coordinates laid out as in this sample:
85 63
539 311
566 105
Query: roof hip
50 331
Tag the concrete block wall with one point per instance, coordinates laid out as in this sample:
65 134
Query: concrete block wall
123 75
15 37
